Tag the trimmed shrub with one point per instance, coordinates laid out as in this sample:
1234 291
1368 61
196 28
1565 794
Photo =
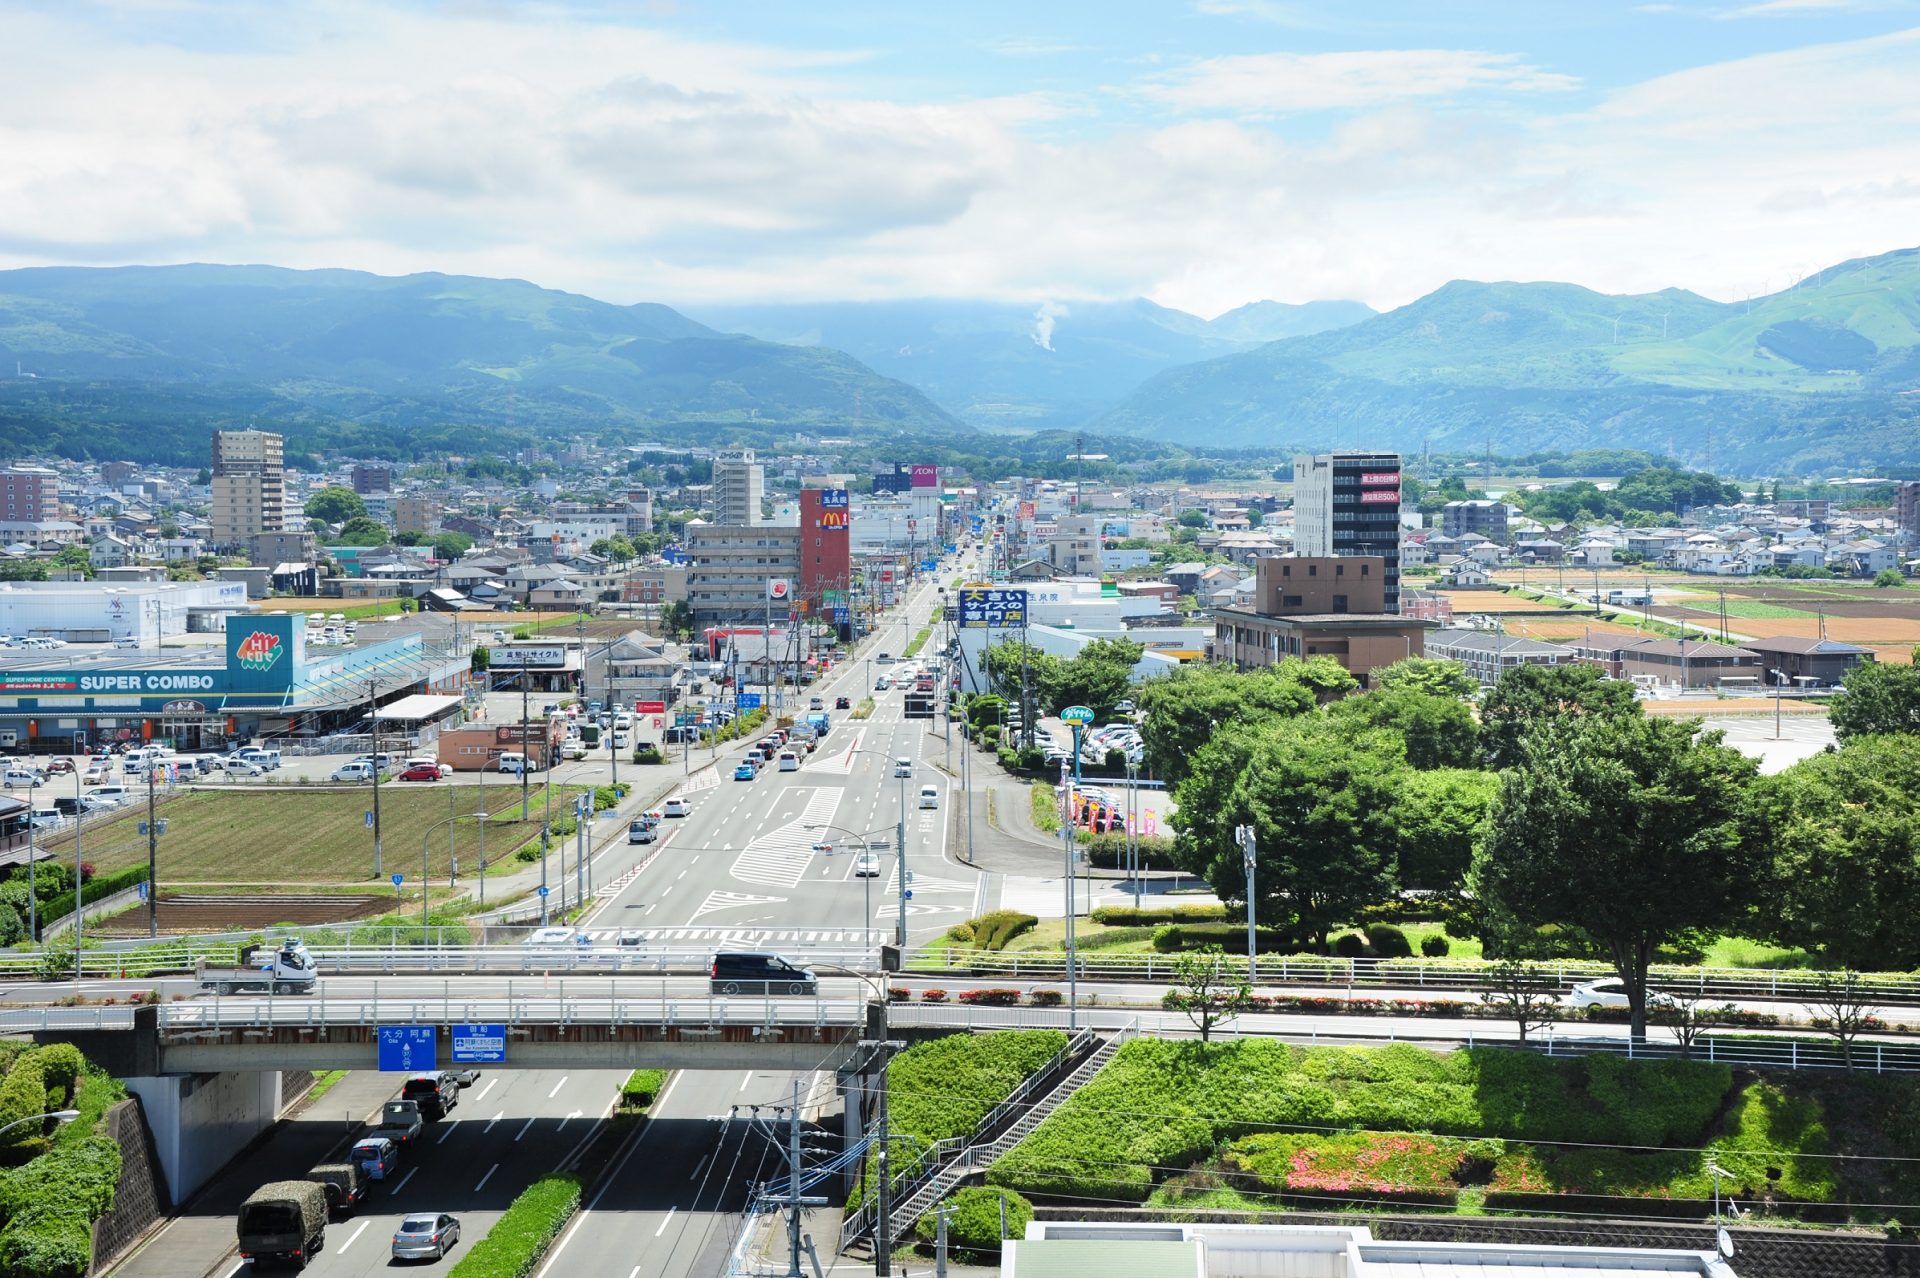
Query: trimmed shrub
933 996
23 1095
1230 937
1435 946
1044 998
991 998
62 1064
58 907
1109 851
47 1241
992 931
1127 916
648 753
1351 945
641 1087
991 734
1387 941
961 932
973 1219
517 1241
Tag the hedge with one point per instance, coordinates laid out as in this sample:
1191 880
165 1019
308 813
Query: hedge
1230 937
641 1087
101 885
973 1220
518 1240
48 1205
23 1095
1103 1143
994 930
1127 916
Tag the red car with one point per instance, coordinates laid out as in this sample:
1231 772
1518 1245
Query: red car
421 772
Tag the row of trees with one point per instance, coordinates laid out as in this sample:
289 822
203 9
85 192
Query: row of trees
1098 676
1563 819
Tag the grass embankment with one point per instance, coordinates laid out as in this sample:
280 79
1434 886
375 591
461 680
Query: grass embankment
1271 1125
62 1179
294 838
1046 806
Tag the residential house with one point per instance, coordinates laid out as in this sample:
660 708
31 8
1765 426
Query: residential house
1488 656
1790 661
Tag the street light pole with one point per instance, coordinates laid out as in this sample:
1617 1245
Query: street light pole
1244 836
153 856
373 720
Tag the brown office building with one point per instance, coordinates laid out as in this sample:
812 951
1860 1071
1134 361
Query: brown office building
1319 606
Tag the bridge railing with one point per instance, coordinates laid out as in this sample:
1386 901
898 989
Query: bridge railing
184 957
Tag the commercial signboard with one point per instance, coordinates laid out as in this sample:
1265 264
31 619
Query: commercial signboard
779 589
524 657
1378 496
1374 478
926 476
986 609
833 499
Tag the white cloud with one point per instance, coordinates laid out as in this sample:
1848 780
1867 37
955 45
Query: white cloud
1295 82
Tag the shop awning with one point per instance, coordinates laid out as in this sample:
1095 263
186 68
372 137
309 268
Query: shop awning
417 708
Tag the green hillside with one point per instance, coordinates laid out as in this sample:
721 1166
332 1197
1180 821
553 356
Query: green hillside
1815 379
138 362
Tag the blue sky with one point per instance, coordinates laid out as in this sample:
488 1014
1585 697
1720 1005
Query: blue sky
1204 153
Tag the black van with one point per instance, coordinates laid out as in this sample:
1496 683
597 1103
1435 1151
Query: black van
749 973
435 1093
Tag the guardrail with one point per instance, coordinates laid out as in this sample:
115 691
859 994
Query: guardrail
1787 985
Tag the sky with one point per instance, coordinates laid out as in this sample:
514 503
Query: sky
1203 153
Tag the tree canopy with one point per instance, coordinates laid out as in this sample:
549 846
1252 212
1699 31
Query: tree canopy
1627 829
335 505
1527 696
1186 707
1877 697
361 531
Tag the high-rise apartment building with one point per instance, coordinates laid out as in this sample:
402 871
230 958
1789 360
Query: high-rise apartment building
249 485
1906 506
732 564
1349 504
738 486
29 493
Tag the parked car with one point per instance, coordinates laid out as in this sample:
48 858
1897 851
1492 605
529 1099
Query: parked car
96 773
20 778
109 795
425 1237
242 768
1610 991
59 767
421 772
353 772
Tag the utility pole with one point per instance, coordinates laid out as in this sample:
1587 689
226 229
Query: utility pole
583 809
793 1185
373 719
33 857
153 857
1244 836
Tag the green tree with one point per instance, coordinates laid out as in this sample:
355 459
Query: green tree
361 531
73 557
1183 709
1099 677
1626 829
449 546
1004 662
1207 990
676 619
411 537
23 570
335 505
1877 697
1845 827
1889 579
1527 696
1319 797
1429 675
482 658
1439 732
1191 519
1439 817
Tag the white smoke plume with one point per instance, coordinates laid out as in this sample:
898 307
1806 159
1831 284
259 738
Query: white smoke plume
1042 330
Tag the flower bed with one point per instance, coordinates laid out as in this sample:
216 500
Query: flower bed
1401 1167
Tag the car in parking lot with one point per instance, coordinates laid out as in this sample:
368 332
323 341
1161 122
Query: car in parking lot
425 1236
242 768
17 778
420 772
353 772
96 773
58 767
1610 991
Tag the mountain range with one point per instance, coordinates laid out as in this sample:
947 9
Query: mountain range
1824 377
1051 365
138 362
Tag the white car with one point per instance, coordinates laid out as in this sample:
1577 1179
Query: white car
553 936
242 768
676 807
866 866
1610 991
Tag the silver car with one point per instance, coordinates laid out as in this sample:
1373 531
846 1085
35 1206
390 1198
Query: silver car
425 1237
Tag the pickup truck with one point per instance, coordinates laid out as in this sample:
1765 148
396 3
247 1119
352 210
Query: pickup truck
400 1122
290 971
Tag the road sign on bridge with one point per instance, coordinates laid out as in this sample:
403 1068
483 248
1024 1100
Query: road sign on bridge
479 1044
407 1049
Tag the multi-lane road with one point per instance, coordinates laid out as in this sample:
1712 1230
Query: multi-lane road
767 861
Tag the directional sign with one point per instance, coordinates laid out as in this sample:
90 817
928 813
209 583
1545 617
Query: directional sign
748 701
1078 715
407 1049
398 879
543 889
479 1044
368 818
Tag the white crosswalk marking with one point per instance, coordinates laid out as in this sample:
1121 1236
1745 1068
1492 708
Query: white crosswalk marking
747 937
779 858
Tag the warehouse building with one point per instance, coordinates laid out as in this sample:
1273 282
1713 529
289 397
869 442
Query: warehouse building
89 612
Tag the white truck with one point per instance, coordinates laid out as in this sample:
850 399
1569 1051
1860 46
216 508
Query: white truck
289 970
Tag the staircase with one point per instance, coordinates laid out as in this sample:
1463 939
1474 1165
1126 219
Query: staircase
980 1155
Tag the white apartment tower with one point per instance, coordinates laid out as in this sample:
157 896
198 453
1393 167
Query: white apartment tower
249 486
738 485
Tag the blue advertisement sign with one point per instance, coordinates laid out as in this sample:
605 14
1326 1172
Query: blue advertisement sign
747 701
479 1044
833 499
265 652
841 616
984 609
406 1049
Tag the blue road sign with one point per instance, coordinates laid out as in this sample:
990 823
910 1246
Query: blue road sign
405 1049
479 1044
543 889
369 818
748 701
398 879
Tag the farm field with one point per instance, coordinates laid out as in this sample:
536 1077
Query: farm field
262 839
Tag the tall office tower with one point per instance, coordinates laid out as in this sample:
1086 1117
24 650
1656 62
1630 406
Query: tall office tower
249 485
738 485
1349 504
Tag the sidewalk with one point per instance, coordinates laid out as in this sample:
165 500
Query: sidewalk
204 1226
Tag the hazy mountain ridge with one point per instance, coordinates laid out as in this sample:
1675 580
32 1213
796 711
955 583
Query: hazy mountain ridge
1816 377
1041 366
111 352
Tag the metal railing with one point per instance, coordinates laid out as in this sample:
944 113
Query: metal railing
1472 975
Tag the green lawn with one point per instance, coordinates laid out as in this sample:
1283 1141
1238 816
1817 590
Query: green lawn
297 838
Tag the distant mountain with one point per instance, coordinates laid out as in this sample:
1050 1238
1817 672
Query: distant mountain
1048 366
1820 378
139 362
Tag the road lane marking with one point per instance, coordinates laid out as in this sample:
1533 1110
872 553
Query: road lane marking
669 888
665 1222
484 1179
746 1080
557 1086
522 1132
446 1133
496 1118
695 1173
571 1115
395 1191
607 1180
343 1246
483 1091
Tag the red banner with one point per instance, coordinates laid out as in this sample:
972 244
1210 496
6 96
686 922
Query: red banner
1376 496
